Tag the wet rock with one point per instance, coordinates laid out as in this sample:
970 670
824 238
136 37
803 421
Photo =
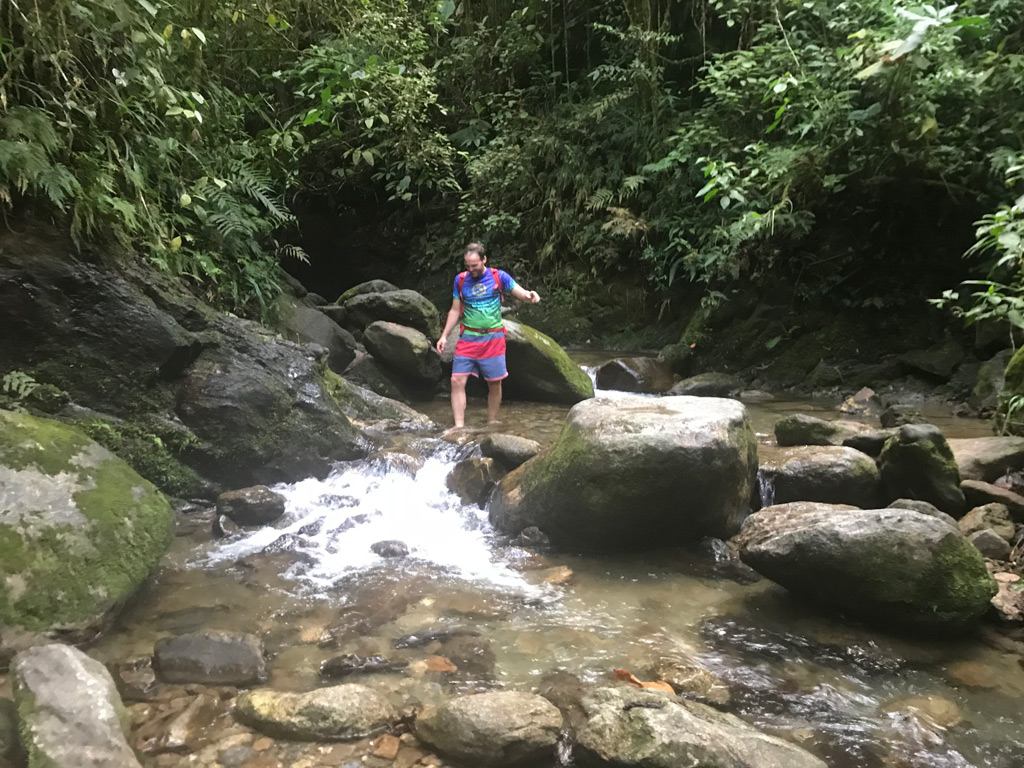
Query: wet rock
335 713
990 544
708 385
351 664
937 710
939 361
509 450
979 494
565 690
370 286
632 727
135 679
915 505
865 402
473 479
678 357
635 374
80 532
829 474
365 372
974 674
427 636
306 325
987 458
400 307
493 729
398 461
542 371
257 505
187 729
211 658
60 691
406 352
691 680
472 655
594 489
897 567
918 464
560 574
994 517
390 548
898 415
801 429
532 538
374 412
870 443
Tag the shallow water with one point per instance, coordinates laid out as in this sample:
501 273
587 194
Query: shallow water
313 589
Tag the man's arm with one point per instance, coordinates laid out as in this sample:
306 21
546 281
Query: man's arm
531 297
453 317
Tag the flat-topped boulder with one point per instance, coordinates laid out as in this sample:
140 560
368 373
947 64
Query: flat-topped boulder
891 567
636 472
539 369
405 352
401 306
802 429
710 384
829 474
987 458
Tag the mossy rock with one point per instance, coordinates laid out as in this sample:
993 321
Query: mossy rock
539 369
80 531
918 463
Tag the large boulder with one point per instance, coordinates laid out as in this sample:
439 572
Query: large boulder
801 429
634 472
540 370
635 374
79 532
403 307
366 373
372 412
335 713
307 325
987 458
257 505
886 566
829 474
69 710
510 451
404 351
630 727
939 360
504 728
917 463
709 384
370 286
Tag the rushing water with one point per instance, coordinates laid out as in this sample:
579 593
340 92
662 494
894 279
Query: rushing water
313 588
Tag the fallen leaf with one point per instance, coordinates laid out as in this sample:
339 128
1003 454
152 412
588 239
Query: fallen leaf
657 685
440 664
628 677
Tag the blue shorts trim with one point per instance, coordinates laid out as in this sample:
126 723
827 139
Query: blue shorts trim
489 368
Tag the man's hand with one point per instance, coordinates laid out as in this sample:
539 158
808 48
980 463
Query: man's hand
534 297
441 343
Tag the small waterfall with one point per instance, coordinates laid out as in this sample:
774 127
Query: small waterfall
591 371
766 488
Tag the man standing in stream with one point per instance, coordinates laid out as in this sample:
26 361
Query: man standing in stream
480 351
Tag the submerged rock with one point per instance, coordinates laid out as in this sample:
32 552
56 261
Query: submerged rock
390 548
401 307
635 374
918 464
635 727
887 566
540 370
829 474
135 679
987 458
493 729
406 352
80 531
635 472
473 479
211 658
257 505
336 713
510 451
708 385
351 664
69 710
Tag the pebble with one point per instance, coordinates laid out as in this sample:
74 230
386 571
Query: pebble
386 747
262 745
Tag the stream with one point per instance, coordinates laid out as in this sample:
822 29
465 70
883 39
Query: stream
509 618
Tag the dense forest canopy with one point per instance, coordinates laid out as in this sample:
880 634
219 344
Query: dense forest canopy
840 144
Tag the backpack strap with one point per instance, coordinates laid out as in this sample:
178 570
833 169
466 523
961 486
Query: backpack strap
461 282
497 284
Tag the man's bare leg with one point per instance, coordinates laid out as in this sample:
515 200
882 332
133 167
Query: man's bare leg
493 400
459 400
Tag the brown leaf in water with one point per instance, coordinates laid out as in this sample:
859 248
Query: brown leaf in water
628 677
440 664
657 685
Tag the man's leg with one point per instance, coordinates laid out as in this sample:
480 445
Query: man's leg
493 400
459 399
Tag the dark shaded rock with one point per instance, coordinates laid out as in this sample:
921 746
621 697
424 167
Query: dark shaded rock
918 464
211 658
370 286
916 505
978 493
898 415
678 357
390 548
829 474
60 691
509 450
990 544
427 636
493 729
365 372
896 567
405 352
351 664
565 690
336 713
635 472
401 307
533 538
186 728
306 325
224 526
635 374
987 458
870 443
801 429
257 505
135 679
540 370
473 479
337 314
372 411
939 361
708 385
989 383
11 753
994 517
471 654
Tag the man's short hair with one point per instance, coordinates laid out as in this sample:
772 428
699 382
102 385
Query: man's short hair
476 248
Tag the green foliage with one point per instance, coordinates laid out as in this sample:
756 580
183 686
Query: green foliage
15 388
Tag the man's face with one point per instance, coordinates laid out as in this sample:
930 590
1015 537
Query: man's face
474 264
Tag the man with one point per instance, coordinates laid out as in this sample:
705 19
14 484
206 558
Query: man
476 302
